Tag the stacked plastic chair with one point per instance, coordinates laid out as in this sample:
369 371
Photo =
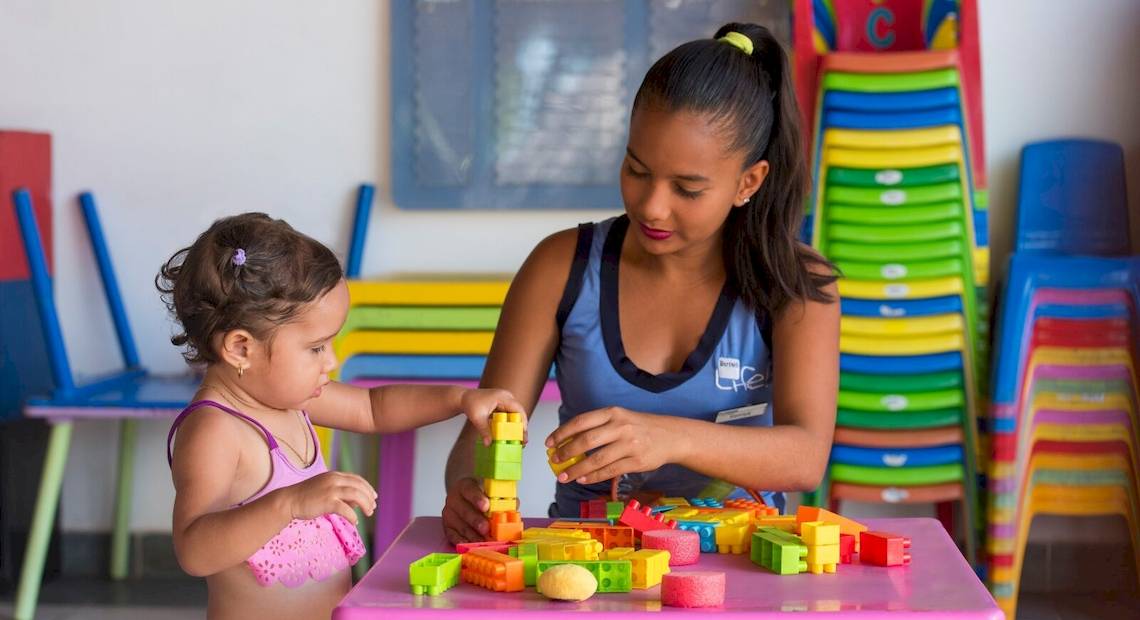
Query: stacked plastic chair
893 207
1063 417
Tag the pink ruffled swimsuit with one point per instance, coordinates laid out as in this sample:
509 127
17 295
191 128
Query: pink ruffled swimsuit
306 548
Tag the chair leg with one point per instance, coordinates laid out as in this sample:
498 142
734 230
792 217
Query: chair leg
47 501
120 535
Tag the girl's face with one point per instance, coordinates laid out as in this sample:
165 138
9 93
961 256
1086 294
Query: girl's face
678 182
291 368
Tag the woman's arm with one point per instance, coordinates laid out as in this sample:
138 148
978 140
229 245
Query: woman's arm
519 361
791 455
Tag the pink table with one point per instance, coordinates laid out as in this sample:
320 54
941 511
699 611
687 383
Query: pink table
938 585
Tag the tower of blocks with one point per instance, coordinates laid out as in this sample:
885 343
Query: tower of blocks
500 467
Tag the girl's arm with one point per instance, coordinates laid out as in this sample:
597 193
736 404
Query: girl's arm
397 408
519 361
789 456
209 536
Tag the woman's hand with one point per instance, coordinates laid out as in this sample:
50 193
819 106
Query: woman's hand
623 442
463 519
478 405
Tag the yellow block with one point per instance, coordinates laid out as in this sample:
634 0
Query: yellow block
617 553
414 342
452 292
647 568
507 426
819 533
734 537
500 488
782 522
503 504
822 558
681 514
550 532
566 548
558 468
672 501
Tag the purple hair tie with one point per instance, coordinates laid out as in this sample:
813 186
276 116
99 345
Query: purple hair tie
239 257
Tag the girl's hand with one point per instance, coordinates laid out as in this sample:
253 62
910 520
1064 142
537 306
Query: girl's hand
332 492
463 519
623 441
478 405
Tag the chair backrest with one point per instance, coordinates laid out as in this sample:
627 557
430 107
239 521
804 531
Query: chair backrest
1072 199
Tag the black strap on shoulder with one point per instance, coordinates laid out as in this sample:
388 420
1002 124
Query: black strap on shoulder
577 270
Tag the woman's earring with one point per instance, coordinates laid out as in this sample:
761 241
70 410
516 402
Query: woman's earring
241 371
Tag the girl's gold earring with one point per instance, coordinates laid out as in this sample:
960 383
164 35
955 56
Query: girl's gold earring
241 371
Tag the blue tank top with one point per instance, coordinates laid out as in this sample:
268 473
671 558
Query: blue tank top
726 378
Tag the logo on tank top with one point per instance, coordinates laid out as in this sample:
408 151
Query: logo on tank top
732 376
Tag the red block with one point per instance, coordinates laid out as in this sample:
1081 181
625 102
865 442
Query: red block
490 545
883 549
846 548
25 162
592 509
641 520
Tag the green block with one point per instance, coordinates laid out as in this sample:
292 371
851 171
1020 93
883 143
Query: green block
502 460
434 573
780 552
612 575
614 510
528 553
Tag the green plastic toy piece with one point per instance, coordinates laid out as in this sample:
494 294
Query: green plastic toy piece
434 573
781 552
902 177
901 401
502 460
612 575
614 510
528 553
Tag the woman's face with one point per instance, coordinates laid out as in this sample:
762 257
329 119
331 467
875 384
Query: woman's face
678 182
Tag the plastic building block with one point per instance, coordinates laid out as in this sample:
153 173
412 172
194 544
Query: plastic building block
592 509
528 553
554 532
883 549
617 553
734 537
822 558
500 488
434 573
614 510
706 530
502 460
612 575
502 504
609 535
507 426
648 566
506 526
682 513
640 520
554 548
756 508
819 533
693 589
493 570
492 545
846 548
706 502
787 523
780 552
673 501
558 468
846 526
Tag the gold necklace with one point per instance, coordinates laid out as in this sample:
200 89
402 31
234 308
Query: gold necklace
304 457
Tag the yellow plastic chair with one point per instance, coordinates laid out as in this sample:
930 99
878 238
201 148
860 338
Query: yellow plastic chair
415 342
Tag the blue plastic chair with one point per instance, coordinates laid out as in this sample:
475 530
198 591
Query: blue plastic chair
822 19
900 365
892 120
897 308
1029 272
913 101
896 457
127 395
1072 199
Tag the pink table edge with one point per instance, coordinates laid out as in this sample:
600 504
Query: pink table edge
383 593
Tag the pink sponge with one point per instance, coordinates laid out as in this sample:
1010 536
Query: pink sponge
684 547
693 589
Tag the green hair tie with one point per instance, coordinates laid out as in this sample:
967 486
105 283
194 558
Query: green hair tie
738 40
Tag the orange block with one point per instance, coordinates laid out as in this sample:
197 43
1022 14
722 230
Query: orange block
609 535
846 526
492 570
506 526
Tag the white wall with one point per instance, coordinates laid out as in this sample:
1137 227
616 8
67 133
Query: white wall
176 113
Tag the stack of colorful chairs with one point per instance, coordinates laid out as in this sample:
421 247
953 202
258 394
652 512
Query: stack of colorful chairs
1063 417
893 207
422 330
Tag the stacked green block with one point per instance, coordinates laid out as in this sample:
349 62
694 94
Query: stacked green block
614 510
528 553
612 575
502 460
434 573
780 552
